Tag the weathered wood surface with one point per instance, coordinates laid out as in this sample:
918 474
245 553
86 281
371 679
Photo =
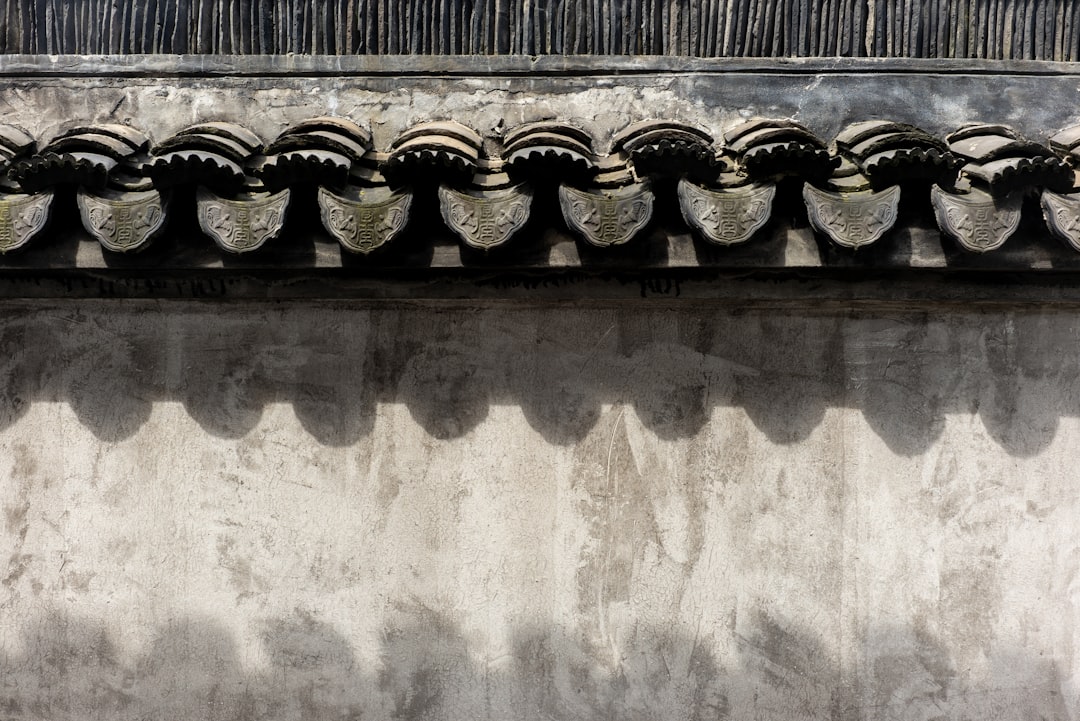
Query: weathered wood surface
991 29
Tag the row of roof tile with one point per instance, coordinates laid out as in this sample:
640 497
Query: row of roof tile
725 186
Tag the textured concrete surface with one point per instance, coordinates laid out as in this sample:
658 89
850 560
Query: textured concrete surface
315 511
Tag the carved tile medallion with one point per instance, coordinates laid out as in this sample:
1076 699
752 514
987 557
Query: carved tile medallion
976 220
22 217
486 219
1062 214
727 216
242 224
607 218
123 222
852 220
364 220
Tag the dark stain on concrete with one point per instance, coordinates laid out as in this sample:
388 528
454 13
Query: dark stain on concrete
79 581
659 674
971 597
306 643
18 564
15 520
800 674
25 467
242 577
912 674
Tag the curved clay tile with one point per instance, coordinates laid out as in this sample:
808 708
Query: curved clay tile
668 148
133 138
971 129
15 144
443 129
554 127
221 145
889 153
1061 210
769 149
120 209
83 156
366 213
982 210
485 187
438 151
331 124
304 166
233 205
1066 143
195 167
233 131
549 151
613 209
847 209
320 150
22 216
46 170
858 204
15 141
209 154
999 161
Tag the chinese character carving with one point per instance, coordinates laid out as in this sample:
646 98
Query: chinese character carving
1062 214
978 221
365 220
123 222
609 217
22 217
727 216
852 220
245 223
485 219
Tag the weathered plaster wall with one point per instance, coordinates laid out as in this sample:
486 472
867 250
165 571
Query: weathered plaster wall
316 511
161 95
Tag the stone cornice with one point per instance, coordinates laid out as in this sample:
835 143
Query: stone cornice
569 167
171 66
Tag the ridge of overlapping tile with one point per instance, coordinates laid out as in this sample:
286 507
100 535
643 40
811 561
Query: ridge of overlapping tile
724 188
728 205
1061 206
983 208
22 214
858 202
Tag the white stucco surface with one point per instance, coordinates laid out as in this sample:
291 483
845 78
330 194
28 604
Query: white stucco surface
324 511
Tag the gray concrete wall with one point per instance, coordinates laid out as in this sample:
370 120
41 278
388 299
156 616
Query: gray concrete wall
322 511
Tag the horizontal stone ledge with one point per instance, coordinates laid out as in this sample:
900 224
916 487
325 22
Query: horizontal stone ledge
825 289
164 66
